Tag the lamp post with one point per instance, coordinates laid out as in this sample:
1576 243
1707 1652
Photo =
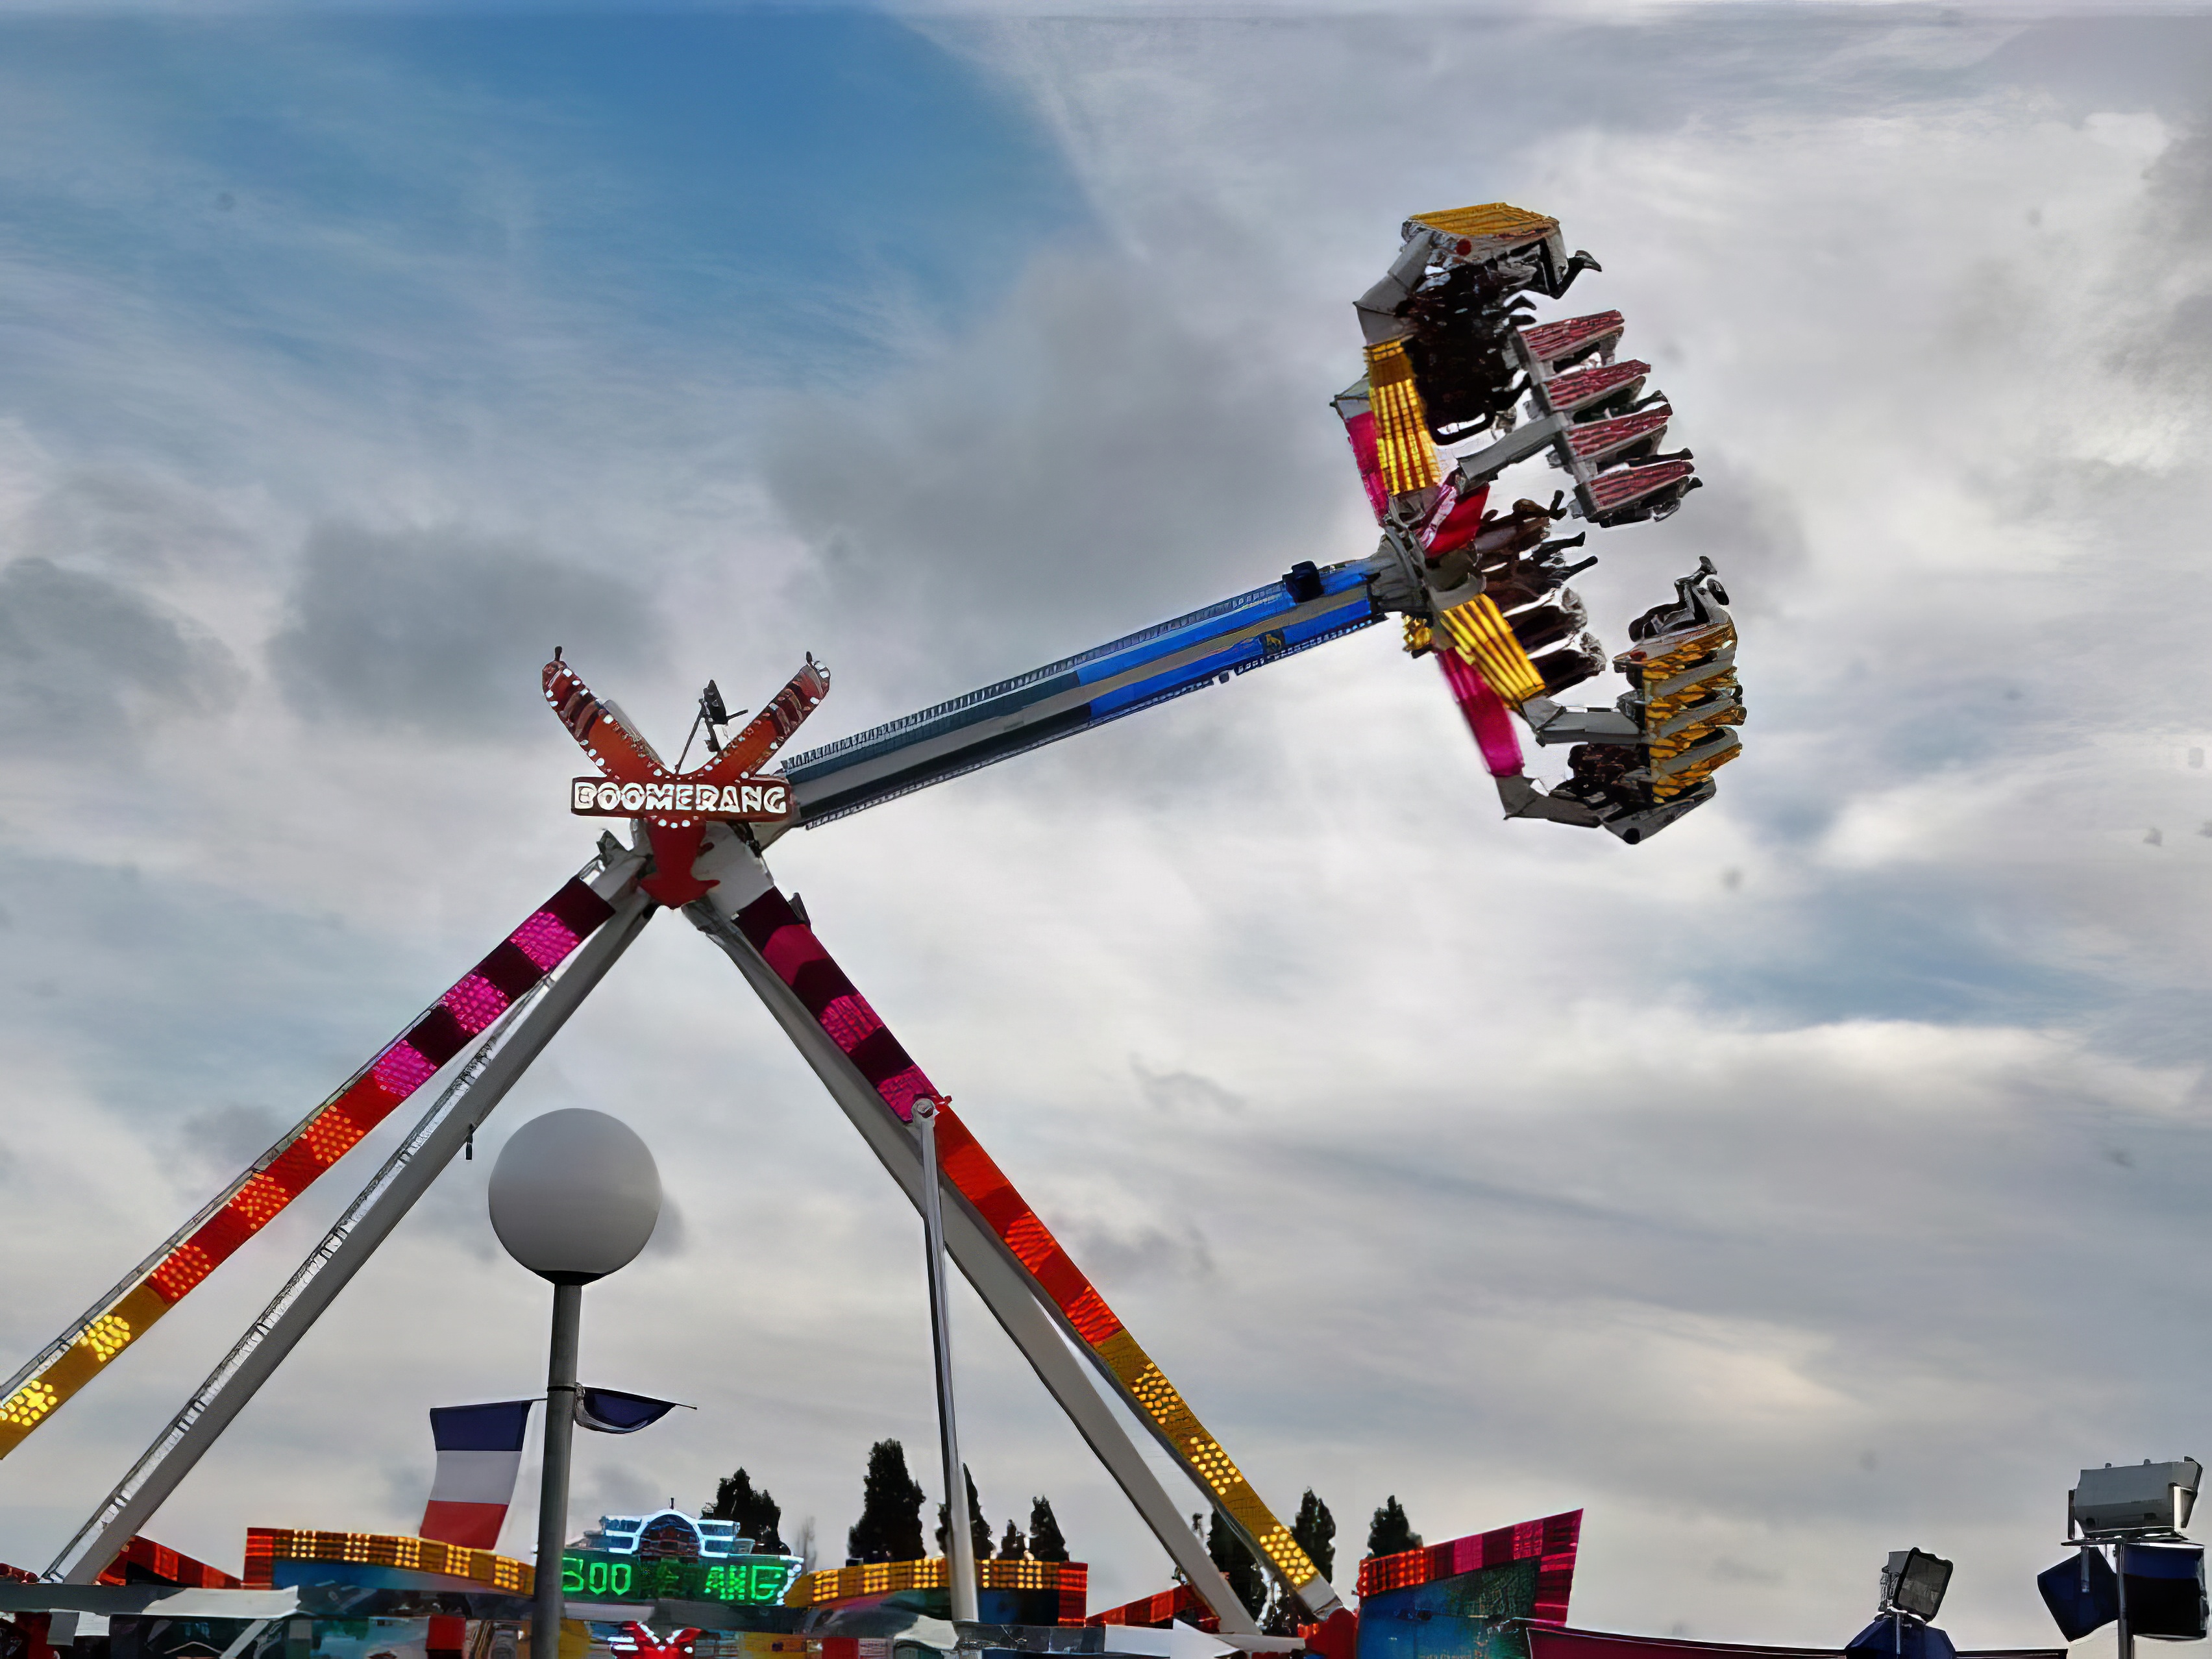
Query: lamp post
574 1195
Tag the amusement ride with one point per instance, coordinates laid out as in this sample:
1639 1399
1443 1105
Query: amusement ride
1455 361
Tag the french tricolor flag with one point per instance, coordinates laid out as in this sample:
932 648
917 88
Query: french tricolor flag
479 1455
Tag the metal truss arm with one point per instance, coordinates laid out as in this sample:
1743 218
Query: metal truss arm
1003 1289
1006 1250
481 1083
1206 647
302 1153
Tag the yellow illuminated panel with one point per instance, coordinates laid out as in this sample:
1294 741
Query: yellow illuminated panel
1684 653
123 1324
267 1545
1282 1549
1685 650
299 1157
1501 219
1214 1465
832 1584
1158 1398
1479 633
23 1408
1402 448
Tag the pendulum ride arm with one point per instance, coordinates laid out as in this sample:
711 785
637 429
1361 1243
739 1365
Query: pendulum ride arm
1028 1281
311 1146
1304 608
516 1038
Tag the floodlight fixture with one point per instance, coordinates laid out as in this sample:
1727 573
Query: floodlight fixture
2141 1500
1912 1586
1913 1583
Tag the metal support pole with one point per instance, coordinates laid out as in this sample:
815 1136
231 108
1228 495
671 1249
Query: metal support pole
553 1481
959 1539
2127 1640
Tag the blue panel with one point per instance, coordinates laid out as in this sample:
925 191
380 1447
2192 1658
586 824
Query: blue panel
1267 602
1007 696
1225 618
815 773
1470 1616
1238 656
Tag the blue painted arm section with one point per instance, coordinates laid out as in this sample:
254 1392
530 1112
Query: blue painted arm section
1234 659
1105 683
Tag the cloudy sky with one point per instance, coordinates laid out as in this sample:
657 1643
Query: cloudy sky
1822 1178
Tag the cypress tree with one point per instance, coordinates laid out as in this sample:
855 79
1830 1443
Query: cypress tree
1391 1534
979 1529
890 1526
1012 1548
1045 1542
1236 1565
758 1514
1316 1532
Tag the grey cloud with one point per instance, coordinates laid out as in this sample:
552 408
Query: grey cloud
1139 1254
1301 75
610 1488
672 1238
1749 525
431 630
132 519
225 1139
85 662
2112 62
203 1011
1179 1093
1092 454
1762 1309
2163 335
1729 1571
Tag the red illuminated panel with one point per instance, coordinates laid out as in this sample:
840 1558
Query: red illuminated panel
1616 489
1157 1612
789 947
289 1168
1360 430
1551 1542
797 958
1453 522
1586 387
481 996
1074 1587
143 1561
1485 714
1548 342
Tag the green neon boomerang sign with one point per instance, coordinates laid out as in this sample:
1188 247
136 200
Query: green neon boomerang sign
596 1575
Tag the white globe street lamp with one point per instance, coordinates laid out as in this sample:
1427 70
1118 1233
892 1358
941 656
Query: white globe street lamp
574 1196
